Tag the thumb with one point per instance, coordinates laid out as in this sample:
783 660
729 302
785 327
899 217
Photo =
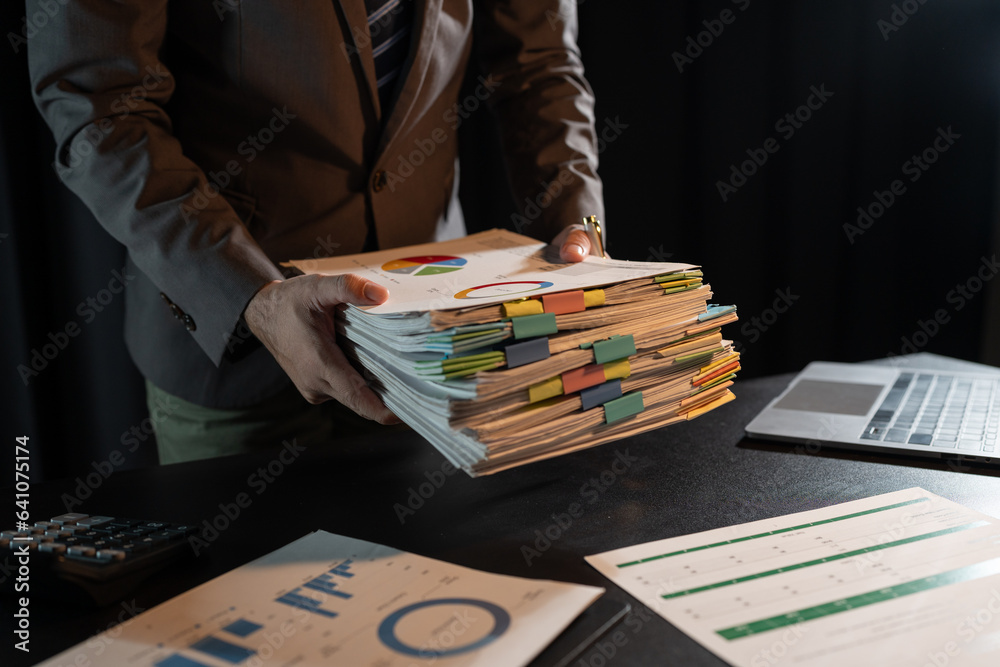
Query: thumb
351 288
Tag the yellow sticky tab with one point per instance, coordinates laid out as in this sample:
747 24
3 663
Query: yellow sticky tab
711 405
719 362
546 389
617 369
519 308
592 298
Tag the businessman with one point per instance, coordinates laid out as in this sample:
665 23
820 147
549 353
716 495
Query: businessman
216 139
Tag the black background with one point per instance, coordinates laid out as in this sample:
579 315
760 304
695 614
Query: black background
782 233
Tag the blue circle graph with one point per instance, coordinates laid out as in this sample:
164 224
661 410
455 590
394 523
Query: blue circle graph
387 630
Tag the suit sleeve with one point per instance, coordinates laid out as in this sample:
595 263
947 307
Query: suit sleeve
98 81
545 109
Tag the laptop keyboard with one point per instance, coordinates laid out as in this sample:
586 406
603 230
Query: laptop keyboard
939 411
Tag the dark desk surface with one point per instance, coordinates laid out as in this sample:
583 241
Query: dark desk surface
682 479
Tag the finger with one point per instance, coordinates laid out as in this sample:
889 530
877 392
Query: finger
575 247
347 386
351 288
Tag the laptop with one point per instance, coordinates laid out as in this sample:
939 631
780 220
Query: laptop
907 410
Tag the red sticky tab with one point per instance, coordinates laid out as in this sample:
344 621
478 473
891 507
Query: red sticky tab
581 378
561 303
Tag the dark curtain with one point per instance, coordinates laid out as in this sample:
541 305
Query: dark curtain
917 277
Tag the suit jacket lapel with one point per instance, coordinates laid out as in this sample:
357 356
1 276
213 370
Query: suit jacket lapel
426 16
357 22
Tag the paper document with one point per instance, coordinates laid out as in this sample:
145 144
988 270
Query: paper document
331 600
479 269
905 578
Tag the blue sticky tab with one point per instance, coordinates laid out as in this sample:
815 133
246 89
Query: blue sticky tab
591 397
527 352
716 311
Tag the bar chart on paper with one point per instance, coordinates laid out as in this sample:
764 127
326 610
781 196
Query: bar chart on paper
327 599
884 580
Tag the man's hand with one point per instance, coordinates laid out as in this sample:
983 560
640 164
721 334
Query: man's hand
573 244
294 319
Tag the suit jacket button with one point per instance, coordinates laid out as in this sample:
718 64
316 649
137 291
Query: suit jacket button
378 180
189 323
176 311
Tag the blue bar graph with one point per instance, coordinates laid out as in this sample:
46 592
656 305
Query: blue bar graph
342 569
223 650
242 627
324 584
293 599
178 660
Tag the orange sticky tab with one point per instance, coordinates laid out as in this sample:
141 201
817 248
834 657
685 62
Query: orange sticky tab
561 303
581 378
719 372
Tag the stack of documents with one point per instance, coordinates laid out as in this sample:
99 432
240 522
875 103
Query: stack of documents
500 356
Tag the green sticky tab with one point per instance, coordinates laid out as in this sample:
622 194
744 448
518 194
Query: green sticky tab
531 326
614 348
626 406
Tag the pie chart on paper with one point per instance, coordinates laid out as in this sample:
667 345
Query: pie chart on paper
425 265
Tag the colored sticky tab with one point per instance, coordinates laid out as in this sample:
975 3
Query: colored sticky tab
614 348
626 406
593 298
532 326
561 303
581 378
522 308
545 389
591 397
617 369
527 352
700 410
714 311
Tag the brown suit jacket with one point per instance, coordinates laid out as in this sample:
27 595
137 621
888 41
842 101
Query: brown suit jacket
216 139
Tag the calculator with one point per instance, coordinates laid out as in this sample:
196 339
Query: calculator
105 556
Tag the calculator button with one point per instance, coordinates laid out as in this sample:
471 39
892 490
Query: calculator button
111 554
94 521
81 551
70 518
52 547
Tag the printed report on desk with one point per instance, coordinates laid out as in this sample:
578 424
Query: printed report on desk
905 578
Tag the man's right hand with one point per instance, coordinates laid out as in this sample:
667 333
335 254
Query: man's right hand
294 319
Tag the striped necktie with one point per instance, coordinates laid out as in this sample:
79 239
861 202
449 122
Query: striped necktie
389 23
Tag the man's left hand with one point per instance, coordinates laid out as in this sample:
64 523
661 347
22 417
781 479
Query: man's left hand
573 244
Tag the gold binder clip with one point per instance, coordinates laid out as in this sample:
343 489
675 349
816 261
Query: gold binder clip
592 226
